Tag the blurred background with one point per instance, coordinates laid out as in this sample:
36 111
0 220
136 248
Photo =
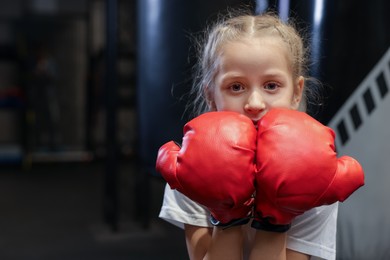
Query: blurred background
90 89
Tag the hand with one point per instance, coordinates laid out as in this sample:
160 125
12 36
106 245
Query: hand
215 164
297 169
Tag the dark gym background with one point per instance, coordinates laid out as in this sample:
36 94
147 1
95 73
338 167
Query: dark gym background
89 89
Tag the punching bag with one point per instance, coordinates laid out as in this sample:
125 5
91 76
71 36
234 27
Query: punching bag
165 32
161 60
165 29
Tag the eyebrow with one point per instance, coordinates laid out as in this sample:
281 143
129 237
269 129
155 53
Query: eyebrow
274 74
231 76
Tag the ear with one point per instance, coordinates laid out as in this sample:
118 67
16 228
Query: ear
298 92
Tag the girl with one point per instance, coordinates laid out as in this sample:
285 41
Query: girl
250 64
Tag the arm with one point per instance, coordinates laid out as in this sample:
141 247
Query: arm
294 255
198 241
269 246
226 244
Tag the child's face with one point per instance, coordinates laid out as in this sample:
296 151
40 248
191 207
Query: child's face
254 76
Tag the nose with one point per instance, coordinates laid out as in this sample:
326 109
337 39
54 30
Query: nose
255 103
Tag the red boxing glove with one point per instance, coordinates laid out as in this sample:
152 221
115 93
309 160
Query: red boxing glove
215 165
297 169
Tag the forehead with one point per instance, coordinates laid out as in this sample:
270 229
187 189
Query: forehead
255 51
260 42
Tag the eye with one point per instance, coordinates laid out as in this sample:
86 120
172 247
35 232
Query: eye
271 86
236 87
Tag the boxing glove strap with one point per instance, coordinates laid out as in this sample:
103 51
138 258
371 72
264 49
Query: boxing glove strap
232 223
264 224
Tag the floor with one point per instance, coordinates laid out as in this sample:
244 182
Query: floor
55 212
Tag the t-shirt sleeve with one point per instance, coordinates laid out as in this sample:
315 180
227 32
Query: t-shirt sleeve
178 210
314 232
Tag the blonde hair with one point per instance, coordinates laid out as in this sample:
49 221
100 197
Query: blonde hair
233 28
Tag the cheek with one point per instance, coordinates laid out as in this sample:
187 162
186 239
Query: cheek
223 103
285 100
217 100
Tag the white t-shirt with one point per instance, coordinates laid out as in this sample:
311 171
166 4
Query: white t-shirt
313 233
